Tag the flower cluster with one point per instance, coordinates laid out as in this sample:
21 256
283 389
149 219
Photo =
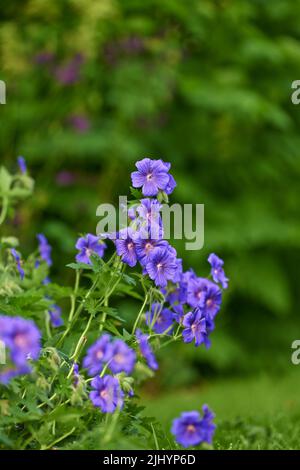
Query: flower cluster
22 339
178 305
116 356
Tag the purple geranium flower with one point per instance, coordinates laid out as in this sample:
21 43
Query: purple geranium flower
171 185
69 73
97 355
195 327
80 123
213 299
159 319
10 372
22 164
217 270
55 316
145 247
22 337
126 246
149 218
178 313
18 261
122 358
191 430
146 350
107 393
162 266
44 248
152 176
196 290
87 246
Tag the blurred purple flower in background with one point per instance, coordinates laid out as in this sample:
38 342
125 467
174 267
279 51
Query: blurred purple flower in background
97 355
190 429
43 57
44 248
80 123
22 164
55 316
22 338
146 350
69 73
65 178
18 262
123 358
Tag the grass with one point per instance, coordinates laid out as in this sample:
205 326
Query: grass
251 413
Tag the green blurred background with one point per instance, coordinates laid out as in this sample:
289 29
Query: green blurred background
93 86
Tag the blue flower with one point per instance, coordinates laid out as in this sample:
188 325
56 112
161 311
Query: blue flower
149 218
212 300
22 164
217 270
152 176
191 430
160 320
18 261
10 372
196 290
98 355
178 313
87 246
162 266
107 394
55 316
170 186
22 338
146 350
122 358
126 246
194 327
145 247
44 248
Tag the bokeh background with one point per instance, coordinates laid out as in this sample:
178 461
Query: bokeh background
93 86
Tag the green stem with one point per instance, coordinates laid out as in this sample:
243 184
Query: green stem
74 295
112 427
59 439
139 314
78 311
4 210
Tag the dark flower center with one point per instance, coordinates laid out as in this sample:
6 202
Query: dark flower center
149 177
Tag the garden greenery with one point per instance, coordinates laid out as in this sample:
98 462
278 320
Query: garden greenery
71 378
